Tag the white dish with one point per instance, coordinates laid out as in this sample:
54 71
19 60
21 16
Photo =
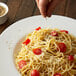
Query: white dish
15 32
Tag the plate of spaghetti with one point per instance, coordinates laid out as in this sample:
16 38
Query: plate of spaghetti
35 47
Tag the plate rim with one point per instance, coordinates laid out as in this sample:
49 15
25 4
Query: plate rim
11 25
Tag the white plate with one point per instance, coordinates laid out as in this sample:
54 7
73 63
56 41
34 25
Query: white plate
15 32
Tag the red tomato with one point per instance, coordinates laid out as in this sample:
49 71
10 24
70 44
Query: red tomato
38 28
22 63
37 51
70 57
57 74
64 31
27 41
35 73
62 47
54 33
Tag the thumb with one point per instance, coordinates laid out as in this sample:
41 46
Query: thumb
52 6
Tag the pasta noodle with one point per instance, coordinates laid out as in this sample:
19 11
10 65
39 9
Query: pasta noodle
53 58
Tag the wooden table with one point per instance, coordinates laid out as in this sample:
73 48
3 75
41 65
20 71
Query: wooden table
19 9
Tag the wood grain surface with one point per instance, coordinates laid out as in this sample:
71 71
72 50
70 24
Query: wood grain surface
19 9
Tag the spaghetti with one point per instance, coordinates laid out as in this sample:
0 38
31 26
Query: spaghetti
47 52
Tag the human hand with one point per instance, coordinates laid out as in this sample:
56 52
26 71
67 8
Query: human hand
46 7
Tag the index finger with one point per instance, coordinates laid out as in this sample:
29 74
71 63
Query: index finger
42 6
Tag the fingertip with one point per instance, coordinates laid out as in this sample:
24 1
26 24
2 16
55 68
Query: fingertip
44 15
49 14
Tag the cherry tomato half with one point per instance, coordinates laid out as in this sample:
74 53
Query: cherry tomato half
54 33
64 31
57 74
62 47
37 51
22 63
38 28
35 73
27 41
70 57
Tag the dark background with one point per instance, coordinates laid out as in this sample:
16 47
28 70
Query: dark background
19 9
